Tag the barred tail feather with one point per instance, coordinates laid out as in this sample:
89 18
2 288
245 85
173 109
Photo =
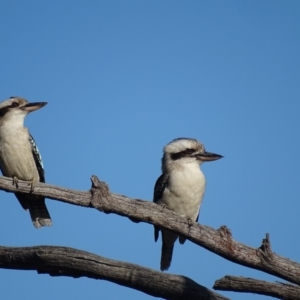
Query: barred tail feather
37 208
39 214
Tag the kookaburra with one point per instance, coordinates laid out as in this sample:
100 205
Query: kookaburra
19 155
180 188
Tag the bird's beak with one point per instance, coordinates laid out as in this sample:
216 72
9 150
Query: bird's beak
33 106
208 156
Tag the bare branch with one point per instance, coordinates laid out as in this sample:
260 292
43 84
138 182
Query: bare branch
63 261
218 241
249 285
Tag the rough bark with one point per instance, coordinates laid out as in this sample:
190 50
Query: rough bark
250 285
63 261
218 241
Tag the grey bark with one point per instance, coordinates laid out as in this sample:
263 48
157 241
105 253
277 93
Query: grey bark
218 241
250 285
63 261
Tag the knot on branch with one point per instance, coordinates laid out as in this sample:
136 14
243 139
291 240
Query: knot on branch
264 251
101 196
225 234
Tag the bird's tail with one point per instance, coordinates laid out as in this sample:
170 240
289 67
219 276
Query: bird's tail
37 208
39 214
168 240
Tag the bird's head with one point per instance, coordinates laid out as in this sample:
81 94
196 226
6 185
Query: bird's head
17 107
185 151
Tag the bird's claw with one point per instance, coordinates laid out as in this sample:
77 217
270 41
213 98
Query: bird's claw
15 181
31 183
190 222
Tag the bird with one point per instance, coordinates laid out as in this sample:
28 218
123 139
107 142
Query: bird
180 188
20 157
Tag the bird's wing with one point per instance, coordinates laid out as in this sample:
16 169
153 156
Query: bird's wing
159 188
26 199
37 158
36 204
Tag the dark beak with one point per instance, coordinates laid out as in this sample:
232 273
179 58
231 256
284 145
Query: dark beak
208 156
33 106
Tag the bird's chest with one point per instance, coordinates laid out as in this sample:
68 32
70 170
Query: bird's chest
184 192
16 157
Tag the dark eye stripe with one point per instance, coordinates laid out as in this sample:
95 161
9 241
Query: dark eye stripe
14 104
5 109
181 154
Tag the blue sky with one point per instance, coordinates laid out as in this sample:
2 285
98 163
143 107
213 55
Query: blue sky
122 79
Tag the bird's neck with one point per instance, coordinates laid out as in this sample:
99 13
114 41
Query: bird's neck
192 167
12 128
12 122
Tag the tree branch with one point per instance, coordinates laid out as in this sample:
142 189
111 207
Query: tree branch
63 261
249 285
218 241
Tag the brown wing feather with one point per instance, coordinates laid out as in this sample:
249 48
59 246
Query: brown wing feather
159 188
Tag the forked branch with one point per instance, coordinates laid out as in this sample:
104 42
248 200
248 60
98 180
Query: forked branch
217 241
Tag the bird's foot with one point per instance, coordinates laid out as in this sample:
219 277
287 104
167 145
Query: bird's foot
31 183
190 222
163 205
15 181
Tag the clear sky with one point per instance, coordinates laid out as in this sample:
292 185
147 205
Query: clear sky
122 79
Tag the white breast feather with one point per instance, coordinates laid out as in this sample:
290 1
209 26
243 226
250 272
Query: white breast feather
16 157
185 191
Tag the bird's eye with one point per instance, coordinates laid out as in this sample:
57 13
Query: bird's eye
14 104
189 151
